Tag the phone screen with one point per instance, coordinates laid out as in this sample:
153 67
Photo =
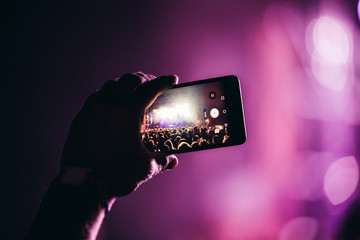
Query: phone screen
191 117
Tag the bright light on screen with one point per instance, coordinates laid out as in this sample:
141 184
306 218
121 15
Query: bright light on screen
173 114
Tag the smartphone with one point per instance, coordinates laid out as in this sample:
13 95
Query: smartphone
196 116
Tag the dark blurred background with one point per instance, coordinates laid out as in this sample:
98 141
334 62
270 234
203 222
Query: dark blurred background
297 175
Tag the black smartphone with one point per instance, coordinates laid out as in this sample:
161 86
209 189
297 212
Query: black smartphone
196 116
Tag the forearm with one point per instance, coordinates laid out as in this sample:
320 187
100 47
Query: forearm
69 212
97 163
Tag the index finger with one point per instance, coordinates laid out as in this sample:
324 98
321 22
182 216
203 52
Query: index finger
147 93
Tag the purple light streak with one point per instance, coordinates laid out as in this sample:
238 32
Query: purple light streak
358 10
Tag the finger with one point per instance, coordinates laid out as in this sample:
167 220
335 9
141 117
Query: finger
173 163
114 91
121 87
86 108
167 162
129 82
146 93
104 95
108 93
145 77
108 86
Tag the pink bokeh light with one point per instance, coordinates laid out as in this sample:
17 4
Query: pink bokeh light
310 167
245 199
331 41
300 228
330 46
341 180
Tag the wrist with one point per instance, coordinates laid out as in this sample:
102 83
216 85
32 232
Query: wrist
69 210
85 180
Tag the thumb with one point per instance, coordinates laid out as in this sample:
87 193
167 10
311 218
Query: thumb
167 162
146 93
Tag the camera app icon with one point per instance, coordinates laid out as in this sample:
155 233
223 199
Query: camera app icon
214 113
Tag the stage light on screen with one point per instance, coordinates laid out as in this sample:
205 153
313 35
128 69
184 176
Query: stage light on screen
300 228
183 109
173 115
341 179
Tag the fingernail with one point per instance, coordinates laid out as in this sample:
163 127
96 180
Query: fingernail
176 78
172 161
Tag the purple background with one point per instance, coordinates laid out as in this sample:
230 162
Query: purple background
55 54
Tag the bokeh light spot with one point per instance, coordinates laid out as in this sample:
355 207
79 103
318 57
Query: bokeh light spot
331 41
341 179
331 49
331 77
300 228
241 205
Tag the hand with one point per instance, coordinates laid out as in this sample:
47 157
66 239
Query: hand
105 135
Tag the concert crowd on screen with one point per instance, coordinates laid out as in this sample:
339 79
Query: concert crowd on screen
183 138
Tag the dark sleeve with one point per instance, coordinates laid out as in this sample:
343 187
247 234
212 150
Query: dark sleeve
68 212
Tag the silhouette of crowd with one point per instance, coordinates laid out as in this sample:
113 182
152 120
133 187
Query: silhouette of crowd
183 138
